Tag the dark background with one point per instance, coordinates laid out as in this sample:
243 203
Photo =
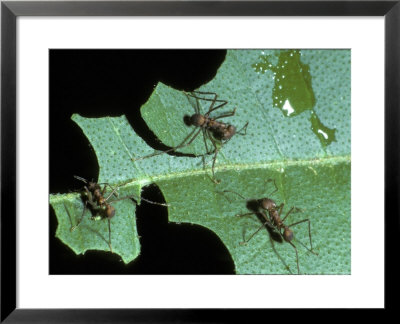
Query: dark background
98 83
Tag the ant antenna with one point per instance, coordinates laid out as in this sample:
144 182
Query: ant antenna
80 178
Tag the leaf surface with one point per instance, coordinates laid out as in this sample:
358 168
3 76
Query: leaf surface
310 174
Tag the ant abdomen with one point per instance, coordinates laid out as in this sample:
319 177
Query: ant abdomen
288 234
222 131
110 211
229 132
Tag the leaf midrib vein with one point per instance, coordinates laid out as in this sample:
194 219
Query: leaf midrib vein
332 160
243 167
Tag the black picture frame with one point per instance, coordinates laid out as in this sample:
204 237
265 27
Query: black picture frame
10 10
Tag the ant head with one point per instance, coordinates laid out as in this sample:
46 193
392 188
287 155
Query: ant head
110 211
91 184
288 234
96 192
197 120
267 204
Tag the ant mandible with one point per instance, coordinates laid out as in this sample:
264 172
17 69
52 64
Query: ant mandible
217 132
274 221
99 204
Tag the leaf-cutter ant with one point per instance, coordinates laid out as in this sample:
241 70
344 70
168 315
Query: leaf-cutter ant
219 133
270 214
101 204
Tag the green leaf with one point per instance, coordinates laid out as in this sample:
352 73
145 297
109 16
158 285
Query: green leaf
93 235
310 173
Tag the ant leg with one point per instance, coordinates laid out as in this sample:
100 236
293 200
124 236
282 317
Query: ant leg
69 215
309 234
203 93
297 257
213 166
197 95
90 201
280 207
197 109
109 234
216 151
283 219
153 202
205 141
279 256
245 214
206 135
141 198
144 199
212 108
80 220
112 193
183 144
223 193
104 189
89 198
243 128
267 223
276 187
217 107
235 194
294 210
209 136
214 100
228 114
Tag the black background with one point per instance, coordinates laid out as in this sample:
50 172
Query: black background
98 83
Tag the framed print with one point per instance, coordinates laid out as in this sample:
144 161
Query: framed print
168 155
